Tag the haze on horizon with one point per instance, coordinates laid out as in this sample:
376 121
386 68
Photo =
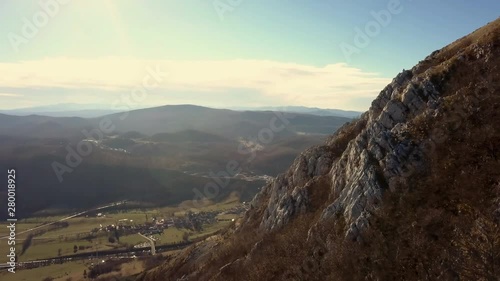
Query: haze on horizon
216 54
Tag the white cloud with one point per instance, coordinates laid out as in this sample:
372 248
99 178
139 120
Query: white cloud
10 95
334 85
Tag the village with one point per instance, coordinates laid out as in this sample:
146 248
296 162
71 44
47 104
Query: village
193 222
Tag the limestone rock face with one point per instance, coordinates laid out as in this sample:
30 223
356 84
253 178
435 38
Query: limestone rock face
288 194
373 161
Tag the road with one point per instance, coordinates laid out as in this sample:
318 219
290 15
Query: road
67 218
151 243
106 254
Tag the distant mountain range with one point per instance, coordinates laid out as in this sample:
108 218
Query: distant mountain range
171 119
306 110
96 110
63 110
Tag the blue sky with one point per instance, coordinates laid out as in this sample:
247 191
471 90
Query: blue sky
221 52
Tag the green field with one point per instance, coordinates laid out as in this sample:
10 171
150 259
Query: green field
61 241
62 271
68 271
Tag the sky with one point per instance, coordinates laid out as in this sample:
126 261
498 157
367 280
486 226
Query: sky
220 53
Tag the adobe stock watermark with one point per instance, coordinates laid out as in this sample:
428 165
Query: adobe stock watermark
222 7
222 179
75 155
32 26
364 36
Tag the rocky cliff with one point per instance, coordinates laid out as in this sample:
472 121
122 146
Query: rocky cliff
383 153
417 146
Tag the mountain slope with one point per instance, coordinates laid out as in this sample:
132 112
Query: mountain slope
410 191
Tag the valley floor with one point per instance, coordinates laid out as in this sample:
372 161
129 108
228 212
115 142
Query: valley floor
95 232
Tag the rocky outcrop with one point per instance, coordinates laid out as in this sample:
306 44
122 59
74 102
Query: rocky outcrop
288 195
382 154
375 160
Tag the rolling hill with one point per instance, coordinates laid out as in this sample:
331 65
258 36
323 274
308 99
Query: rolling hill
132 161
